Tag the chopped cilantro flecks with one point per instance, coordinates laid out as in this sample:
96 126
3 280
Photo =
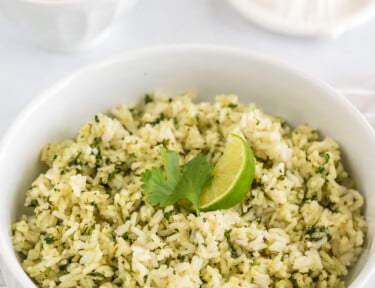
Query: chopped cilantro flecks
97 141
74 161
256 184
125 236
87 230
160 118
148 99
233 251
114 173
33 203
257 122
165 143
329 237
317 233
227 234
97 119
326 157
232 105
319 170
49 239
64 263
94 274
168 214
310 230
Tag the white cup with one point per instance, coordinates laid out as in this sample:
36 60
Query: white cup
64 25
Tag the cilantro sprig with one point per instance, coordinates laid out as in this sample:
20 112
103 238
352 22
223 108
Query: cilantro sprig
171 183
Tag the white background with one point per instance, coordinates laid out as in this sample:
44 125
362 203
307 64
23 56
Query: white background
25 70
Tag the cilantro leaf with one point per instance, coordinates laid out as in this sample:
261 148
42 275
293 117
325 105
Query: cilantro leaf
166 186
196 176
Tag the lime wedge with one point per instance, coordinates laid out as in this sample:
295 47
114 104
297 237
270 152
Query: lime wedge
232 176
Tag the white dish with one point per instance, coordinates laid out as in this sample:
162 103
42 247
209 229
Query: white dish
322 18
279 89
64 25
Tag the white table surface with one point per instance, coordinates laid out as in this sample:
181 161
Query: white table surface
25 70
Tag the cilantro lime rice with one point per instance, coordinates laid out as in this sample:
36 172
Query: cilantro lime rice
300 224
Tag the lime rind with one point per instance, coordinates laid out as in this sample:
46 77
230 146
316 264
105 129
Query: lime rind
240 182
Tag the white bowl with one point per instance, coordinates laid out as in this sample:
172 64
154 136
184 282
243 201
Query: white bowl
64 25
279 89
318 18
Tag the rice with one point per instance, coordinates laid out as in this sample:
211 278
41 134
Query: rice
300 225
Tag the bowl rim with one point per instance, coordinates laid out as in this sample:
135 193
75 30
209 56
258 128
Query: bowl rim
13 266
62 2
